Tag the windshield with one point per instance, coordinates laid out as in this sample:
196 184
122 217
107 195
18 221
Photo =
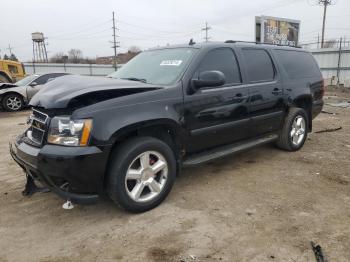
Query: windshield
25 81
162 67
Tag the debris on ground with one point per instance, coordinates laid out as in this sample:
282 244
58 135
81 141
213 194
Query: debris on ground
318 252
328 130
187 259
250 212
329 113
344 104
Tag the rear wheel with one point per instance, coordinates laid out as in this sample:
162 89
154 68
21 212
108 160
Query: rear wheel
12 102
141 174
294 131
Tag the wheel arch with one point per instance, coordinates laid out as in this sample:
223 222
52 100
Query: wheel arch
167 130
12 92
305 102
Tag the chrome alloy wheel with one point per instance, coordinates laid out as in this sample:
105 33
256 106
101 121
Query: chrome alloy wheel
146 176
298 130
14 103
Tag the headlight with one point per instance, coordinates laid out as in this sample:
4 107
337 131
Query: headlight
64 131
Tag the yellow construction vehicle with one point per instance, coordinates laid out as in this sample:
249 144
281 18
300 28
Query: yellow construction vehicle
11 71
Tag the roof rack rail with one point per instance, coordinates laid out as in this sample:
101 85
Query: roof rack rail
257 43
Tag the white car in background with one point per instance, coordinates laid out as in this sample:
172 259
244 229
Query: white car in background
13 97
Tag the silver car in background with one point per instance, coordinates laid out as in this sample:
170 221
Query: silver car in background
13 97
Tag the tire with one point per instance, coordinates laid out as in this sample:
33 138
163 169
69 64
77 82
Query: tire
4 79
286 139
140 191
12 102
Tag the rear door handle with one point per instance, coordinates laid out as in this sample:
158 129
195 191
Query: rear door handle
239 95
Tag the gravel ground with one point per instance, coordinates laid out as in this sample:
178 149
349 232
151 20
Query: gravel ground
261 205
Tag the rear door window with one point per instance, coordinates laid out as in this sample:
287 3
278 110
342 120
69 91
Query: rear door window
224 60
298 64
259 65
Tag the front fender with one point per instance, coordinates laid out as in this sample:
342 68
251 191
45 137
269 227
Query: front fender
117 115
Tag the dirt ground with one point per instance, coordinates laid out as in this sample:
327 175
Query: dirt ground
260 205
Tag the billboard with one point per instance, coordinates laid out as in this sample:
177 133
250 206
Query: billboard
274 30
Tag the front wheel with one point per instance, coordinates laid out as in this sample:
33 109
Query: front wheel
141 174
294 132
12 102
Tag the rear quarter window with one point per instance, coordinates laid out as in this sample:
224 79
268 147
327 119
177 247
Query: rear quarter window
298 64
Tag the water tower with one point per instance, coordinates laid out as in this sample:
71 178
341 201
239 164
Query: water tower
39 48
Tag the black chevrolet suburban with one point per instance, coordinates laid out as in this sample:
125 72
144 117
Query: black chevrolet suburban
129 135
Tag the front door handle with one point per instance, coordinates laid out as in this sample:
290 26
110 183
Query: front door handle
277 91
240 96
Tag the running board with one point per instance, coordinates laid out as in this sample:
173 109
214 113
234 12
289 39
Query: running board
226 150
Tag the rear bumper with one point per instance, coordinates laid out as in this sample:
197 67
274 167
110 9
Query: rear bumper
317 108
71 173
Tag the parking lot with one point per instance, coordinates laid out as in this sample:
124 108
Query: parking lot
260 205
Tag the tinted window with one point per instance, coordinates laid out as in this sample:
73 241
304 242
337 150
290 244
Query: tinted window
223 60
43 79
298 64
259 65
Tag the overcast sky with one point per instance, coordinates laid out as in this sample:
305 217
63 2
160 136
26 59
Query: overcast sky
86 24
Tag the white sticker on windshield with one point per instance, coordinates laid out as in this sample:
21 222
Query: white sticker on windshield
171 62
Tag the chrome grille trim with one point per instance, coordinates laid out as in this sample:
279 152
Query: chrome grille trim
43 119
38 122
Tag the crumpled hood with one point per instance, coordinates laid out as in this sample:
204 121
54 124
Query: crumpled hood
64 90
6 85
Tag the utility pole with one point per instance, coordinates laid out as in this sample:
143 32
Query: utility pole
339 58
206 29
325 3
114 44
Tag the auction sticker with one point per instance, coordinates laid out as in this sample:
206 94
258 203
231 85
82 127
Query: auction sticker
171 62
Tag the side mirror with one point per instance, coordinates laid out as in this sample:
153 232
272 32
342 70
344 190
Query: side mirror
32 84
209 79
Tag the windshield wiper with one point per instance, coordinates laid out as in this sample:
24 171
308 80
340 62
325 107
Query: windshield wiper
135 79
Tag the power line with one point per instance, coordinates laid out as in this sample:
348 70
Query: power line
150 29
92 34
206 29
81 31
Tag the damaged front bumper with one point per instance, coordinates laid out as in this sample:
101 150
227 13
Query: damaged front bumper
74 174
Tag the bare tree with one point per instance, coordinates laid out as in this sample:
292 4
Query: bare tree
75 55
134 49
57 58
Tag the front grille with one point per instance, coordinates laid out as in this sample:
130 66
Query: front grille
38 122
39 116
